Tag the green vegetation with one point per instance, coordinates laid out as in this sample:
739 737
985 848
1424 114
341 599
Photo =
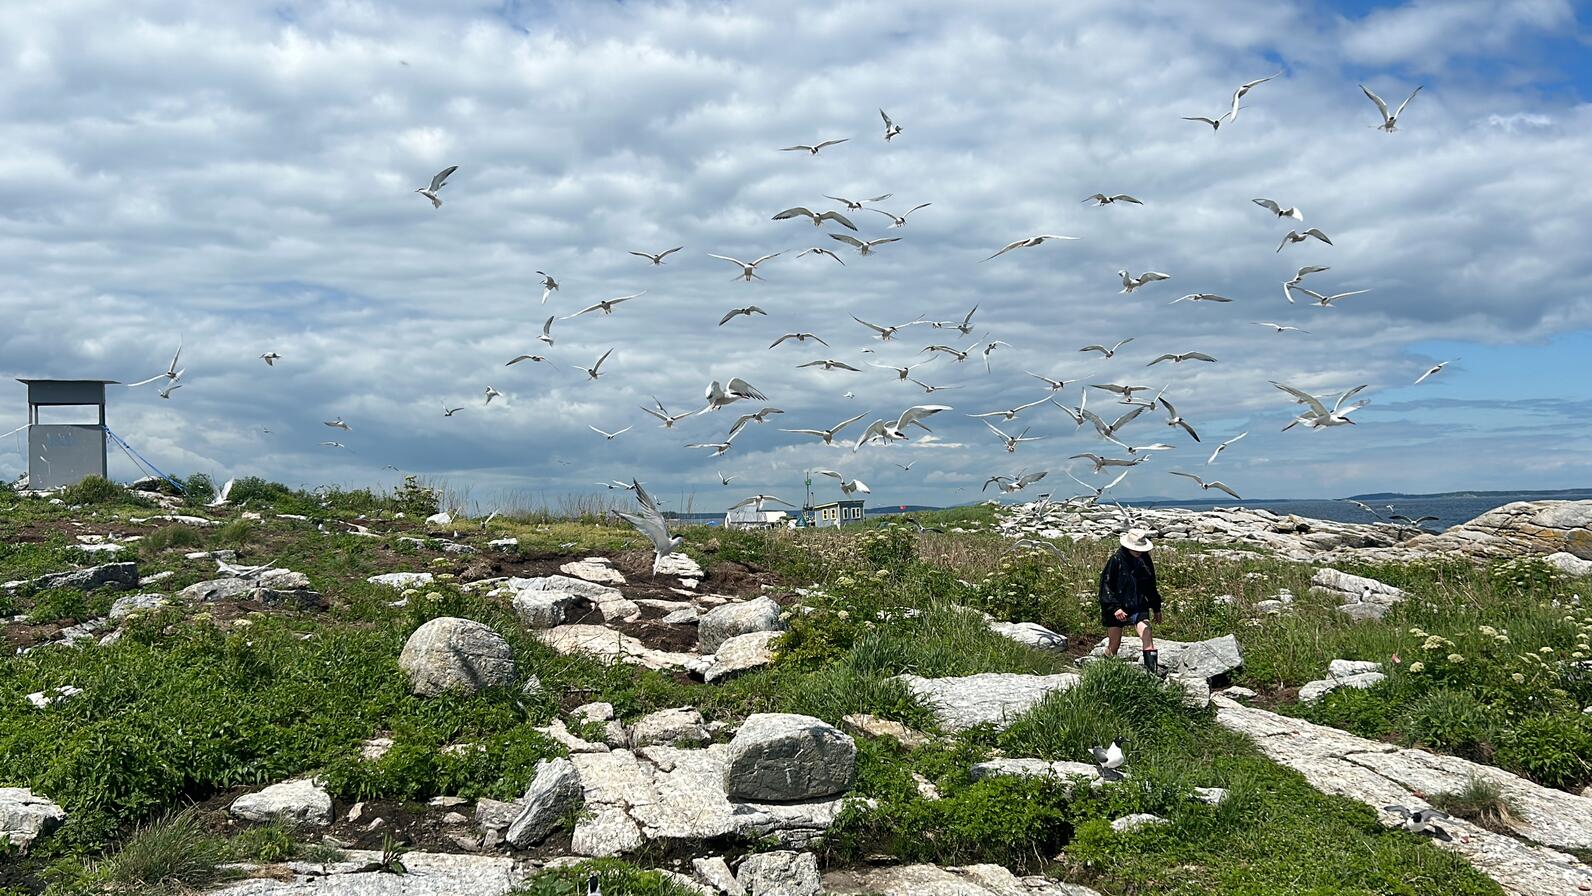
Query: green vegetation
194 701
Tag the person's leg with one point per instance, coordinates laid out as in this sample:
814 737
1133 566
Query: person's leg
1113 640
1150 655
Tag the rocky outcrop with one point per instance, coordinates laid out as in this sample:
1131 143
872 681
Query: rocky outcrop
403 579
1359 597
1185 659
610 603
594 569
723 623
449 654
931 880
1031 634
784 757
301 802
429 874
273 587
1569 564
1343 674
612 646
26 816
989 698
669 726
124 607
116 576
1380 774
1521 529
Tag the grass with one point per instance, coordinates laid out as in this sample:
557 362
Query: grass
192 702
1479 801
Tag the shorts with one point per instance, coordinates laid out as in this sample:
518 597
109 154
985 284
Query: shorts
1108 619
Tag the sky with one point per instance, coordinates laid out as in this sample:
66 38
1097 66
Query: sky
238 178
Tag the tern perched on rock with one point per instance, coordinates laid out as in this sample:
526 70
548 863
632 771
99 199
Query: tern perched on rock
650 522
1389 122
657 258
1029 243
1420 821
438 181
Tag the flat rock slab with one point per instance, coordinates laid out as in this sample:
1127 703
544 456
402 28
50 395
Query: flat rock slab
931 880
403 579
430 874
989 698
594 569
681 566
1379 774
671 794
608 645
1186 659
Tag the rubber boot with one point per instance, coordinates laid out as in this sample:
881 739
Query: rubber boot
1152 662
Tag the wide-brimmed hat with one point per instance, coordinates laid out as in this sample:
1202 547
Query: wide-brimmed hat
1136 540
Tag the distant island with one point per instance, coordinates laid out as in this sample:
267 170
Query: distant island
1513 493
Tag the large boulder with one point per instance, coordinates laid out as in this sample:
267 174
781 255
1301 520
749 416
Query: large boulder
723 623
135 603
613 606
741 653
549 609
784 757
117 576
25 816
449 653
302 802
553 793
780 873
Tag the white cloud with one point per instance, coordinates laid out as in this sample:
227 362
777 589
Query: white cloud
241 180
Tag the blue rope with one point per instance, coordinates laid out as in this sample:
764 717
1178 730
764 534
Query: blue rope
140 459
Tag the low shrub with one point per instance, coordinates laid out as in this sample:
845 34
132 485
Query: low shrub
198 490
1451 721
1555 750
95 490
1479 801
613 876
173 854
166 538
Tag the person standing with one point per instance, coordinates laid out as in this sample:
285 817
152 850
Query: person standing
1129 597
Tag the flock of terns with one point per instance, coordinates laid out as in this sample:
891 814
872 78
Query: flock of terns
1118 405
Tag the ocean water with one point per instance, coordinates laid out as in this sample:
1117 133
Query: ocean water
1450 510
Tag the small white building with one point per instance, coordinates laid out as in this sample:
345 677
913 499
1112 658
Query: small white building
756 519
836 513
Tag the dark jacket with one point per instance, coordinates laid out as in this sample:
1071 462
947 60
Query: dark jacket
1128 583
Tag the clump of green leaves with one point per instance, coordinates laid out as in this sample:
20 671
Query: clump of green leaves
95 490
1480 801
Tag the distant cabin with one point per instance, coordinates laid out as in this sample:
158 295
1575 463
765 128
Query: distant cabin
835 513
756 519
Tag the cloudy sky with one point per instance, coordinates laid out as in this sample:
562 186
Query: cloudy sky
239 177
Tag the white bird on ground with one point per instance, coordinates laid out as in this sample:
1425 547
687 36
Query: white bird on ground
1028 243
1326 301
902 373
864 247
656 258
749 310
338 424
1173 418
1180 357
1242 90
817 218
1389 122
1223 447
1294 236
225 495
1012 441
491 393
827 435
649 522
1052 385
270 358
1207 486
1109 759
761 416
547 330
813 149
856 205
884 333
1107 352
1011 413
1100 199
901 219
595 371
606 306
757 502
548 285
847 486
1281 328
1130 283
1319 415
891 129
1276 209
820 250
170 373
610 436
1200 297
748 269
1432 370
799 337
662 413
1420 821
738 389
439 181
